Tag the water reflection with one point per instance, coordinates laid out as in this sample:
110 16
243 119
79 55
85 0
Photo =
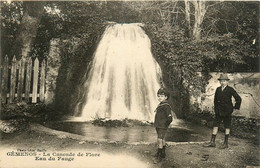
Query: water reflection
125 134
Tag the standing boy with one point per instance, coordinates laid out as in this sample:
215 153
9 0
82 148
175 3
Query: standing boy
223 108
163 118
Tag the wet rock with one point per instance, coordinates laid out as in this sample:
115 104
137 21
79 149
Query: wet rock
110 123
119 123
189 153
7 127
12 125
82 142
203 122
205 157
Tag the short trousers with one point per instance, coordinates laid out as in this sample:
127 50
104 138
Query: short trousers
161 132
226 120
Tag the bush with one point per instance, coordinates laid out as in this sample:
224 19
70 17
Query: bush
31 112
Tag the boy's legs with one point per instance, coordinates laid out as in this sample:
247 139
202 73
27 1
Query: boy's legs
214 132
213 137
158 156
227 125
160 133
227 131
159 141
164 146
164 142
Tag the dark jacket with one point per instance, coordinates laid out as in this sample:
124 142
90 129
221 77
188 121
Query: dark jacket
163 116
223 101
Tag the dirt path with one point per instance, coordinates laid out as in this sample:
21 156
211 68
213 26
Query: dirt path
241 153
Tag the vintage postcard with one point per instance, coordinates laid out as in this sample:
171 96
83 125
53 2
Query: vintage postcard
129 84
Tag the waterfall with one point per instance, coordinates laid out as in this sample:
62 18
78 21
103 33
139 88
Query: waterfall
124 77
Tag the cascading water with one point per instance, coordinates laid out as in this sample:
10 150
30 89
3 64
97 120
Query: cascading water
124 77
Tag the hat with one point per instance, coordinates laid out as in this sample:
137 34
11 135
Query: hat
223 77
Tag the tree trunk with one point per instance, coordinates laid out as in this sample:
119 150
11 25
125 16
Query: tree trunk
28 28
187 17
199 13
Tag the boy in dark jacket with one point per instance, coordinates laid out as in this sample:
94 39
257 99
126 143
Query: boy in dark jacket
223 108
163 118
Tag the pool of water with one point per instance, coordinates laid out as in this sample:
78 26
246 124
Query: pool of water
184 132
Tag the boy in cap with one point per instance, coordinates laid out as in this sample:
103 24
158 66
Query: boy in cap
223 108
163 118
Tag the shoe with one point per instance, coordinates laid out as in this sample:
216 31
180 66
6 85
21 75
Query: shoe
157 159
157 154
211 144
224 146
163 154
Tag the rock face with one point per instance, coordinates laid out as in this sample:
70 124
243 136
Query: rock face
246 85
7 127
54 63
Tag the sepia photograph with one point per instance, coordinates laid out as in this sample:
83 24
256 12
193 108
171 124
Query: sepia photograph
129 84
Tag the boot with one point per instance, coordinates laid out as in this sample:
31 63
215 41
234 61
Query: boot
159 157
157 153
212 142
225 144
163 155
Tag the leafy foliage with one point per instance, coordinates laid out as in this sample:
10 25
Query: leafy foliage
11 17
229 38
220 48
